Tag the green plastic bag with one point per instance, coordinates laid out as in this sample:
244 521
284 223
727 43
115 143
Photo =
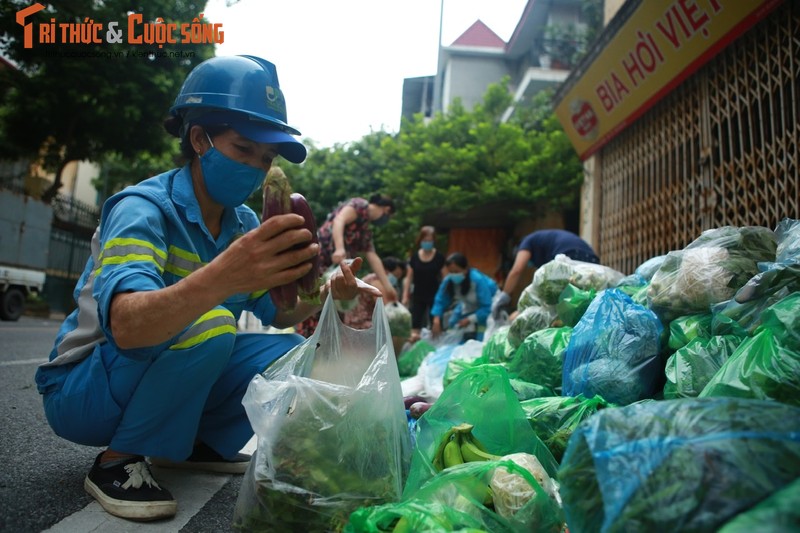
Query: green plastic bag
454 369
690 369
555 418
572 303
481 396
539 359
779 513
761 368
523 389
458 499
686 328
527 391
497 349
783 318
409 361
742 319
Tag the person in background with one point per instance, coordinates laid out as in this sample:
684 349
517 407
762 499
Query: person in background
422 280
360 317
535 250
471 290
151 362
347 232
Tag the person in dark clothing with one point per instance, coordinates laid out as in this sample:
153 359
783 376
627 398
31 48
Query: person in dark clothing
422 280
539 248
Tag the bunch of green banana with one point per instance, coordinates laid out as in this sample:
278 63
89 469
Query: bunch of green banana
458 446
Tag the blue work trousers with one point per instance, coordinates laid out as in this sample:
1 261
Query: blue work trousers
160 406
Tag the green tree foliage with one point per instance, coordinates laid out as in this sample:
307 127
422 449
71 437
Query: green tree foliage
72 102
464 160
447 168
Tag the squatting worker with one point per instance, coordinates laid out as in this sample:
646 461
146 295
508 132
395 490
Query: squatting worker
151 363
538 248
469 292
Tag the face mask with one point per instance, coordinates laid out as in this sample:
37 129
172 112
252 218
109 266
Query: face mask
456 278
426 245
228 182
382 220
392 279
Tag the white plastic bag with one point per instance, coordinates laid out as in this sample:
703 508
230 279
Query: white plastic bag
331 427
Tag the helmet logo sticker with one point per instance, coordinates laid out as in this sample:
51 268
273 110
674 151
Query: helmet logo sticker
194 100
271 96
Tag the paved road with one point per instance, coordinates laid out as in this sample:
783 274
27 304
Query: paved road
41 475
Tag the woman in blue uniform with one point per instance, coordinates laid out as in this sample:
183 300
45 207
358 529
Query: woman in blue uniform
150 364
470 291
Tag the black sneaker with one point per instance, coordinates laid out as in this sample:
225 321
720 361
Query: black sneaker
206 459
128 490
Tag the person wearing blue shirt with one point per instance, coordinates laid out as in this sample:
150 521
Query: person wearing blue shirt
150 363
471 291
538 248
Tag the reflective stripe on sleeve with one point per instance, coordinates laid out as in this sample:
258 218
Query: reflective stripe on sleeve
216 322
125 250
182 262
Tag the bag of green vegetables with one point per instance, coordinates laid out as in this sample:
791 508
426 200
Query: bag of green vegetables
512 494
483 397
331 427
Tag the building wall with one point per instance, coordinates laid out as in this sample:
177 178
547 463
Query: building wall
468 77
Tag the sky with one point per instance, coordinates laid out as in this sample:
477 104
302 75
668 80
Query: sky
341 63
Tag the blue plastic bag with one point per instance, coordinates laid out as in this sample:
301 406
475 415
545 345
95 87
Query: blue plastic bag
677 465
614 351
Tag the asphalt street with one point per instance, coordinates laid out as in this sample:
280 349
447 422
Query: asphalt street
41 478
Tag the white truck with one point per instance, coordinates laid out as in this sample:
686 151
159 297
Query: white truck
15 286
24 244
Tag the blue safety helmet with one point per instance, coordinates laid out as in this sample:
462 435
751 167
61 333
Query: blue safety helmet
243 92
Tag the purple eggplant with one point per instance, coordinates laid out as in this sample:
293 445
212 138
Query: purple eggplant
416 410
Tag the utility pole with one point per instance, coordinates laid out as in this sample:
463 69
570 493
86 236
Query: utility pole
438 78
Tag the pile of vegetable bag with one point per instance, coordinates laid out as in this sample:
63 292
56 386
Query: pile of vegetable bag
614 351
677 465
714 329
